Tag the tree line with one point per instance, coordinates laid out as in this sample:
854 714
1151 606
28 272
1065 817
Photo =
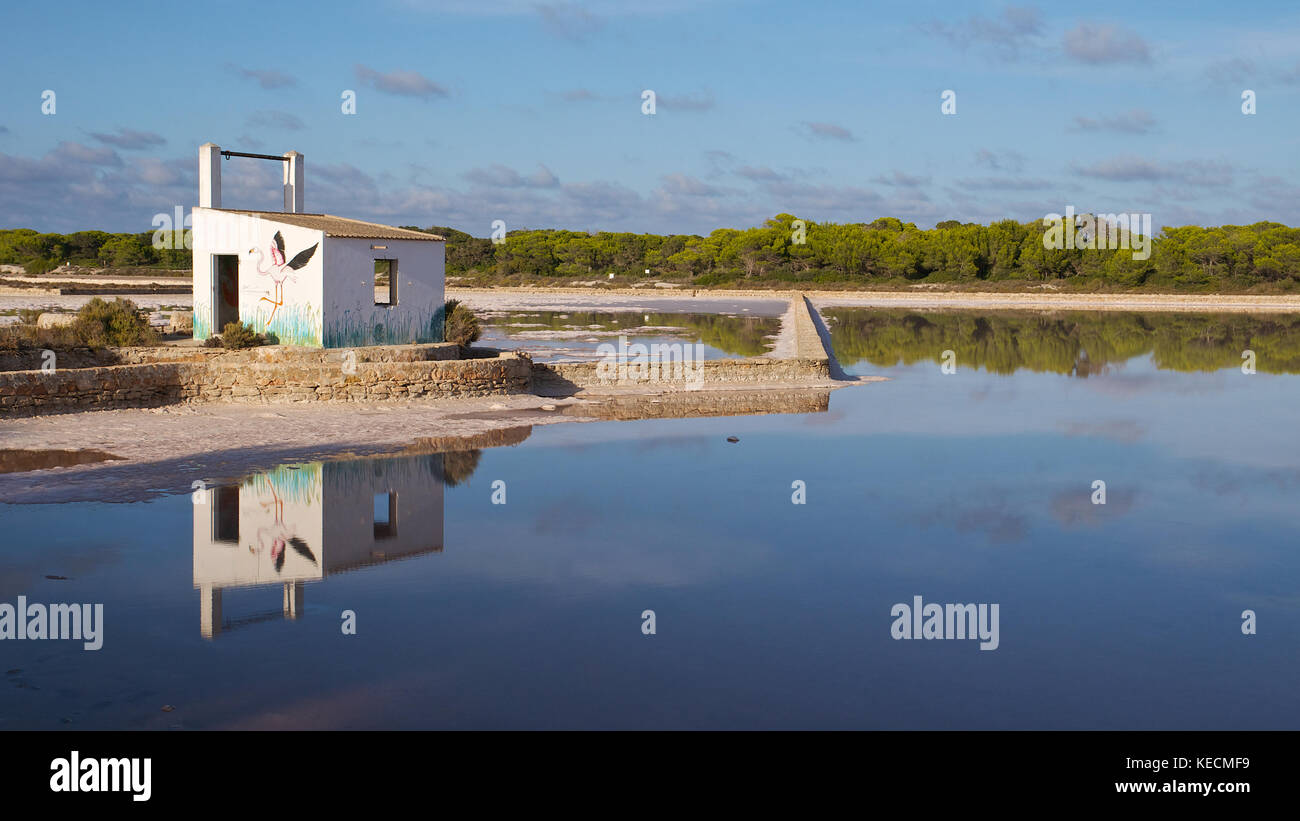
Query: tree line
40 253
786 252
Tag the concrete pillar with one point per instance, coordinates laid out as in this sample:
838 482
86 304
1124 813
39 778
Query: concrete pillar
209 611
293 599
210 175
293 183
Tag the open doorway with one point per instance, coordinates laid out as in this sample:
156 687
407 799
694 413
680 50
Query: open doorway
226 302
225 515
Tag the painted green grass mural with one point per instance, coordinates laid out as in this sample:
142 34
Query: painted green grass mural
202 320
361 476
297 324
300 484
356 329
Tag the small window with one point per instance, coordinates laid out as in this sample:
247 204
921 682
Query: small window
385 282
386 515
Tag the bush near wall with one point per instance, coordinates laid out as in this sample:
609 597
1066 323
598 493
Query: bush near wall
117 324
459 324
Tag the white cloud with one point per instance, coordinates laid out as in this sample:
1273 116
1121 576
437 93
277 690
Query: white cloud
1100 44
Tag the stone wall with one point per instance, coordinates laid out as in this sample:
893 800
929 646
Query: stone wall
78 389
103 357
32 359
807 341
331 357
363 381
303 378
566 378
679 404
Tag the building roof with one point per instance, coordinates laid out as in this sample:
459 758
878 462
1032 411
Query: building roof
337 226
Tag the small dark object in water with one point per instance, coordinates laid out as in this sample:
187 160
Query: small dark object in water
733 439
167 708
58 578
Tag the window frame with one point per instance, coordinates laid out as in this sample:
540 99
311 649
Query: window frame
392 282
386 530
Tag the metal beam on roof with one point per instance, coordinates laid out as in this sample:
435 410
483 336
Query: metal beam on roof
229 154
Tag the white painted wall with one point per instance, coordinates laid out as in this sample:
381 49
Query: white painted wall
349 511
330 302
268 510
330 506
352 319
298 320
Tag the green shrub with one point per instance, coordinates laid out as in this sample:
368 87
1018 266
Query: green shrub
30 337
705 280
38 266
116 324
238 335
458 466
459 325
28 316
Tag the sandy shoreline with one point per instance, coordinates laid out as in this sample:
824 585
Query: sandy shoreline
163 450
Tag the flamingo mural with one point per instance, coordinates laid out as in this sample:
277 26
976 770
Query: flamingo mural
280 536
280 270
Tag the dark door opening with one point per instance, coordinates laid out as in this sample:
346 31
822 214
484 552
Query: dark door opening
225 515
227 297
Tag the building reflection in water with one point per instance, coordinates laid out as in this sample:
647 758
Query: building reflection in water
300 523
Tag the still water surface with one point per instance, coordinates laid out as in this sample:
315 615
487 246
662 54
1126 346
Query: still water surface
971 487
569 336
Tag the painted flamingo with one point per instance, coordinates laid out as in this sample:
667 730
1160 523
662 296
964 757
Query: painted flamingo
280 267
280 536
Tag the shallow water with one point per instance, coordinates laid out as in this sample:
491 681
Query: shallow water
970 487
575 336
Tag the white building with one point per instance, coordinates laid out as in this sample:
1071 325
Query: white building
310 279
302 523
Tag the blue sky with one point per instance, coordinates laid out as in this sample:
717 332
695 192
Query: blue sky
530 112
